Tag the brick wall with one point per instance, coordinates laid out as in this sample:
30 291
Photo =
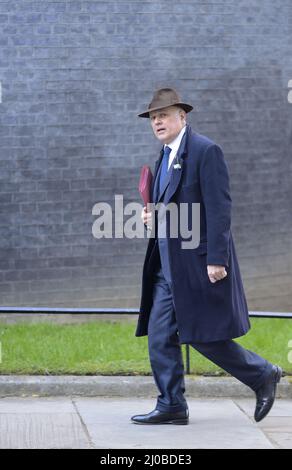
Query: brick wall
74 75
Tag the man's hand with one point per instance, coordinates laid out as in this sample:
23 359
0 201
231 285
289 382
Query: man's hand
216 273
147 218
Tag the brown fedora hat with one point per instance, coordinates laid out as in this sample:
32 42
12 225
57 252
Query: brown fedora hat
163 98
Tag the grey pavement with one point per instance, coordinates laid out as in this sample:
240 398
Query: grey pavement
104 423
76 412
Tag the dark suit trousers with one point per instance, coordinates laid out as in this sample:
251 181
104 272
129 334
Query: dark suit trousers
166 356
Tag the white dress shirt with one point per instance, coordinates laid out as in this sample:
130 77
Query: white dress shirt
174 145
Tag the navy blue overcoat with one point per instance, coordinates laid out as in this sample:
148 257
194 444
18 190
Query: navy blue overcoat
205 311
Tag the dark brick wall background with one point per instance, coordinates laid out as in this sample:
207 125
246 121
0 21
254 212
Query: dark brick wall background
74 75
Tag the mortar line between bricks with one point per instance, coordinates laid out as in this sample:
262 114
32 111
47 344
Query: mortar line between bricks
83 425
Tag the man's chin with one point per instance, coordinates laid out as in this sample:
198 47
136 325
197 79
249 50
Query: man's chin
162 138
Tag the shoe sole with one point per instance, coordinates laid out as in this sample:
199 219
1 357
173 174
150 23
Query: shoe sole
176 421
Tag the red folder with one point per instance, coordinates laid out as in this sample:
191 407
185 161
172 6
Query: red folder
145 184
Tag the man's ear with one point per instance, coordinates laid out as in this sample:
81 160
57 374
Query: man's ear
184 117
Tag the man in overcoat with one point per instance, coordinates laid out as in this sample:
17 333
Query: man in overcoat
193 295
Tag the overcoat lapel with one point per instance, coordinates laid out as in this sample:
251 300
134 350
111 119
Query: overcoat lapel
176 173
156 177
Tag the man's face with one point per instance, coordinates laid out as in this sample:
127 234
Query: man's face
167 123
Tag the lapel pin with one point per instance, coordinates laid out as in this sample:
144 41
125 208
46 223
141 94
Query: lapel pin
177 165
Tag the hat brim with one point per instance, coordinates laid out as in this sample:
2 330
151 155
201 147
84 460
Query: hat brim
187 108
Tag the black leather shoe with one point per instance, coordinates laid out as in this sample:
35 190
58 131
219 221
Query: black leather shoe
266 394
162 417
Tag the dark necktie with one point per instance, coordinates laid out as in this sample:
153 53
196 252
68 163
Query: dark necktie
164 167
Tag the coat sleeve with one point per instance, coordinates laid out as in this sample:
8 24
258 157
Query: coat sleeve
214 181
